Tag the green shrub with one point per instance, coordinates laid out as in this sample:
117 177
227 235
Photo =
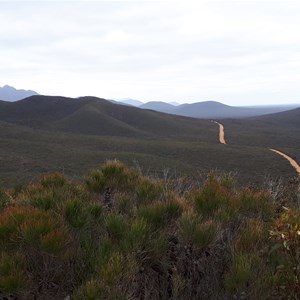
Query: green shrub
54 242
116 226
251 236
90 290
148 190
12 278
211 197
96 182
136 235
75 213
112 174
256 204
193 229
44 200
207 202
53 180
160 213
26 226
241 273
95 210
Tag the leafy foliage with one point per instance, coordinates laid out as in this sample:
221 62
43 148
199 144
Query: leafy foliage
155 241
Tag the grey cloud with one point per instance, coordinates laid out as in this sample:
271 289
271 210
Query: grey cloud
148 49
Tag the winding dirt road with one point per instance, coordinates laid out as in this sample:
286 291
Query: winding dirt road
291 161
221 133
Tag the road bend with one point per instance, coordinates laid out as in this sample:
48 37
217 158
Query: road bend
292 161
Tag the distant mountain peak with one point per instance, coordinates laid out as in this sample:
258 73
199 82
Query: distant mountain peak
129 101
9 93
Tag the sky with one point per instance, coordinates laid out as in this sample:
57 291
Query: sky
235 52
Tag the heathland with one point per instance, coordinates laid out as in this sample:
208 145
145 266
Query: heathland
41 134
186 217
117 234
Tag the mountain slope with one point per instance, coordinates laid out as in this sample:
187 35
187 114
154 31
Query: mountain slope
9 93
289 118
281 130
215 110
90 115
131 102
158 106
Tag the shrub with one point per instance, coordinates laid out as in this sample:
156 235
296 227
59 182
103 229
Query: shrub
285 236
207 201
193 229
136 235
112 174
24 226
252 236
148 190
75 213
256 204
211 197
12 279
116 226
240 275
44 200
95 210
159 213
53 180
4 199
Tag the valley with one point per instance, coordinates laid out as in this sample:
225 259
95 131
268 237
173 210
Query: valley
43 134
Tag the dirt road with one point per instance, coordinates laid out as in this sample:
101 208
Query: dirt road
292 161
221 133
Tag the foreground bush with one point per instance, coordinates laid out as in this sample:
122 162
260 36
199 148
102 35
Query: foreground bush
59 239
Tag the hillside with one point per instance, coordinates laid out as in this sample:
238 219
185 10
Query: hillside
215 110
9 93
118 234
90 115
131 102
25 153
158 106
280 131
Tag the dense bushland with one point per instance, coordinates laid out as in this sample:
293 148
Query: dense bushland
121 235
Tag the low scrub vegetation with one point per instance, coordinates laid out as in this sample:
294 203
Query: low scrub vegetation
121 235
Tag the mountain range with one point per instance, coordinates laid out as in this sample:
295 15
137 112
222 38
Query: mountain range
214 109
91 115
48 133
9 93
201 110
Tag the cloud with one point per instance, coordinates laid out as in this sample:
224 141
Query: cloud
183 51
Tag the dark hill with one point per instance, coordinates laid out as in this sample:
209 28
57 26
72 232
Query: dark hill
274 130
38 111
289 118
206 110
90 115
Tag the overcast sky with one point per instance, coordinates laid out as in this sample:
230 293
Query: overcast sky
236 52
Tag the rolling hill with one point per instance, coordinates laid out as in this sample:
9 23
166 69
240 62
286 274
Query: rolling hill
279 130
90 115
159 106
41 134
214 109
